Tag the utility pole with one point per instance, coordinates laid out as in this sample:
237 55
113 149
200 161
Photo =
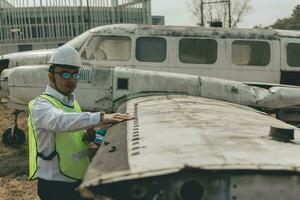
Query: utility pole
229 13
228 2
201 10
89 14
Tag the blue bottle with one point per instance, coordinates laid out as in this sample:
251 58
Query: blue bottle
99 136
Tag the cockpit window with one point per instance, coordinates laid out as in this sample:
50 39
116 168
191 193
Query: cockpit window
78 41
255 53
293 58
116 48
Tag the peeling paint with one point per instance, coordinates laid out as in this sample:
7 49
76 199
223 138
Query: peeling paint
182 31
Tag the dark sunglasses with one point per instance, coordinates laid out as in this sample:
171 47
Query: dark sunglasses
67 75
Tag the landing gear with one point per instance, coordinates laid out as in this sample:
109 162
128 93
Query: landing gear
14 135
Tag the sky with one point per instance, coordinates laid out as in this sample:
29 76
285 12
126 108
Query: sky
264 12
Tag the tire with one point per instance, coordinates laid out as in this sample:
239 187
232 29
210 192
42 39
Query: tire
17 139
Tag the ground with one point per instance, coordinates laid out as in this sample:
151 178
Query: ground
14 183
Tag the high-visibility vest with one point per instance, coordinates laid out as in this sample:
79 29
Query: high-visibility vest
71 150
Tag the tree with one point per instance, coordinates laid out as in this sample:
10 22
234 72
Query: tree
291 23
218 10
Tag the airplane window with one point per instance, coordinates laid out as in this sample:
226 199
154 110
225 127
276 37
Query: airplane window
250 53
108 48
293 58
122 84
151 49
198 51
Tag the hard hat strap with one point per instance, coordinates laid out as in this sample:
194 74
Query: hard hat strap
52 68
54 82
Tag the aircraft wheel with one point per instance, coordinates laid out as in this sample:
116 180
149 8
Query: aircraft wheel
17 138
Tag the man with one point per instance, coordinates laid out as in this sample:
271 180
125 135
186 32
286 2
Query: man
58 156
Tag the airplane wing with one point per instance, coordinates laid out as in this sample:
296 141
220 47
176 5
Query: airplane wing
186 147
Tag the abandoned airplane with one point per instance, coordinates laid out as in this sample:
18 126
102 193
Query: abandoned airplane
193 137
247 55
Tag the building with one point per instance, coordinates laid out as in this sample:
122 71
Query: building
38 24
158 20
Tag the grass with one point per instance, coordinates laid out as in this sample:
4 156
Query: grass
14 183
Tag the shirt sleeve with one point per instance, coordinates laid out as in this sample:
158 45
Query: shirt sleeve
48 117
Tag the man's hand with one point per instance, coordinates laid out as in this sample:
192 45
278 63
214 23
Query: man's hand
89 134
114 117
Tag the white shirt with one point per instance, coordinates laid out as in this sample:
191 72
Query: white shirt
49 120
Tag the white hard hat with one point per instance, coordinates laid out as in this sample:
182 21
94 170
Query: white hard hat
66 55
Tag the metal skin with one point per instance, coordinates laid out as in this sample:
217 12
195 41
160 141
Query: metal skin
36 57
185 147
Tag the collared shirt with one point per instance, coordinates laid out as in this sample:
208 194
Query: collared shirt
49 120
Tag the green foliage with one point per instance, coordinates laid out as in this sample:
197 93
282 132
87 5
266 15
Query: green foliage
290 23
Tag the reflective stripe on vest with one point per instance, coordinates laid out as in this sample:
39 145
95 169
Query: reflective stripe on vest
72 152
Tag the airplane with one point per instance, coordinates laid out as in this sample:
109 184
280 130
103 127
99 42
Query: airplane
192 138
104 86
246 55
262 58
258 57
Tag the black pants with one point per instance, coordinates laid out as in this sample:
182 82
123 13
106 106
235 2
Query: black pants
57 190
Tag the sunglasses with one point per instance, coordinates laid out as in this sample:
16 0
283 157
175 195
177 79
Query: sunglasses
67 75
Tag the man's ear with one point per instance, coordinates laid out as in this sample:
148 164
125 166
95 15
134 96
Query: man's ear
50 76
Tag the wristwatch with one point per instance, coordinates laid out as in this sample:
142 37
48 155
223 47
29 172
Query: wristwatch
101 116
